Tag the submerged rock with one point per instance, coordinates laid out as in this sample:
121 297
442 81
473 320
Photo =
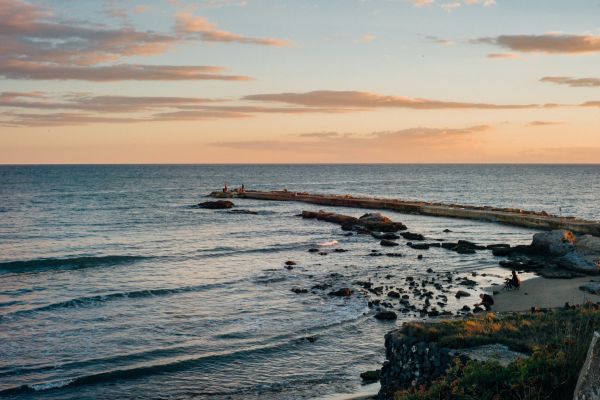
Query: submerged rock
371 376
343 292
386 315
388 243
215 205
412 236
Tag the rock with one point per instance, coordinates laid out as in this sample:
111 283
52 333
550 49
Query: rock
393 254
364 224
501 251
388 243
412 236
418 246
386 315
250 212
370 376
556 274
477 309
579 262
215 205
553 243
339 250
429 270
290 263
394 295
468 282
288 267
321 286
447 230
497 352
313 250
462 293
299 290
387 235
588 384
420 257
464 250
591 287
343 292
465 308
498 246
470 245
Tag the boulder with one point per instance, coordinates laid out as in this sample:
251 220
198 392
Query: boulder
591 287
374 218
386 315
388 243
343 292
462 293
553 243
370 376
579 262
215 205
412 236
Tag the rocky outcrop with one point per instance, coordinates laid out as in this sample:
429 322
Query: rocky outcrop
588 384
591 287
215 205
368 223
558 249
411 361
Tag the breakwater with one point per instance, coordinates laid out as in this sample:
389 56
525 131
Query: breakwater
510 216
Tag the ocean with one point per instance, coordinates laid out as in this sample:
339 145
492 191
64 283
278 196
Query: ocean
113 286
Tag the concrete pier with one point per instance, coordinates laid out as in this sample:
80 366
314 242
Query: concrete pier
509 216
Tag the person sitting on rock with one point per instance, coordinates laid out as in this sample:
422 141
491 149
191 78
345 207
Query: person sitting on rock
487 301
513 282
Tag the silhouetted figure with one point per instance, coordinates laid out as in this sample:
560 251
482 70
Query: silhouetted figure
242 189
225 188
487 301
513 282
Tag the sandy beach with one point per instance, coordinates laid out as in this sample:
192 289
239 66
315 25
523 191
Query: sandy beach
543 293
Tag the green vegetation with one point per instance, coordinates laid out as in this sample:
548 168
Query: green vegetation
557 341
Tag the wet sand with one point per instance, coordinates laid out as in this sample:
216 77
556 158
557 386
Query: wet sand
544 293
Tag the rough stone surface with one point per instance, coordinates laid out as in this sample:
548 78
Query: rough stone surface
591 287
498 352
410 361
215 205
553 243
588 384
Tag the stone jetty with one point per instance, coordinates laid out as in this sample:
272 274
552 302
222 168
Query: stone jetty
510 216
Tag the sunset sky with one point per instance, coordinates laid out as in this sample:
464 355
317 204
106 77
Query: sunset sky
295 81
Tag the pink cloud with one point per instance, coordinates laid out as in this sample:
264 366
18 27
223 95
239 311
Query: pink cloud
195 26
355 99
573 82
548 43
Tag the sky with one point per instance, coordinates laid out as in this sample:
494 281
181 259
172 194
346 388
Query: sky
299 81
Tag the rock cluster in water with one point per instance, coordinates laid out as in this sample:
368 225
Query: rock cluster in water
372 222
215 205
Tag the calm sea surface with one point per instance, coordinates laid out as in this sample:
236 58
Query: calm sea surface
111 286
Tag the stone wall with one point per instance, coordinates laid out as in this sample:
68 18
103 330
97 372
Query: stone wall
411 361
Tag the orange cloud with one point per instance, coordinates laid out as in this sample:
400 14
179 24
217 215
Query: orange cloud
548 43
543 123
14 69
502 55
329 98
573 82
199 27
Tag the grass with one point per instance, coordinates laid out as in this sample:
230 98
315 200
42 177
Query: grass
557 341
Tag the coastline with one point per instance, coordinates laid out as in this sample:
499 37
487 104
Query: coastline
543 293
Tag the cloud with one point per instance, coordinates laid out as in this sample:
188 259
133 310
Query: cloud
422 3
35 44
573 82
437 40
591 104
404 141
502 55
192 26
548 43
366 100
543 123
84 108
14 69
449 7
367 38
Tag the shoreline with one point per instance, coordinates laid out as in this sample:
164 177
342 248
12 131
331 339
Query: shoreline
543 292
